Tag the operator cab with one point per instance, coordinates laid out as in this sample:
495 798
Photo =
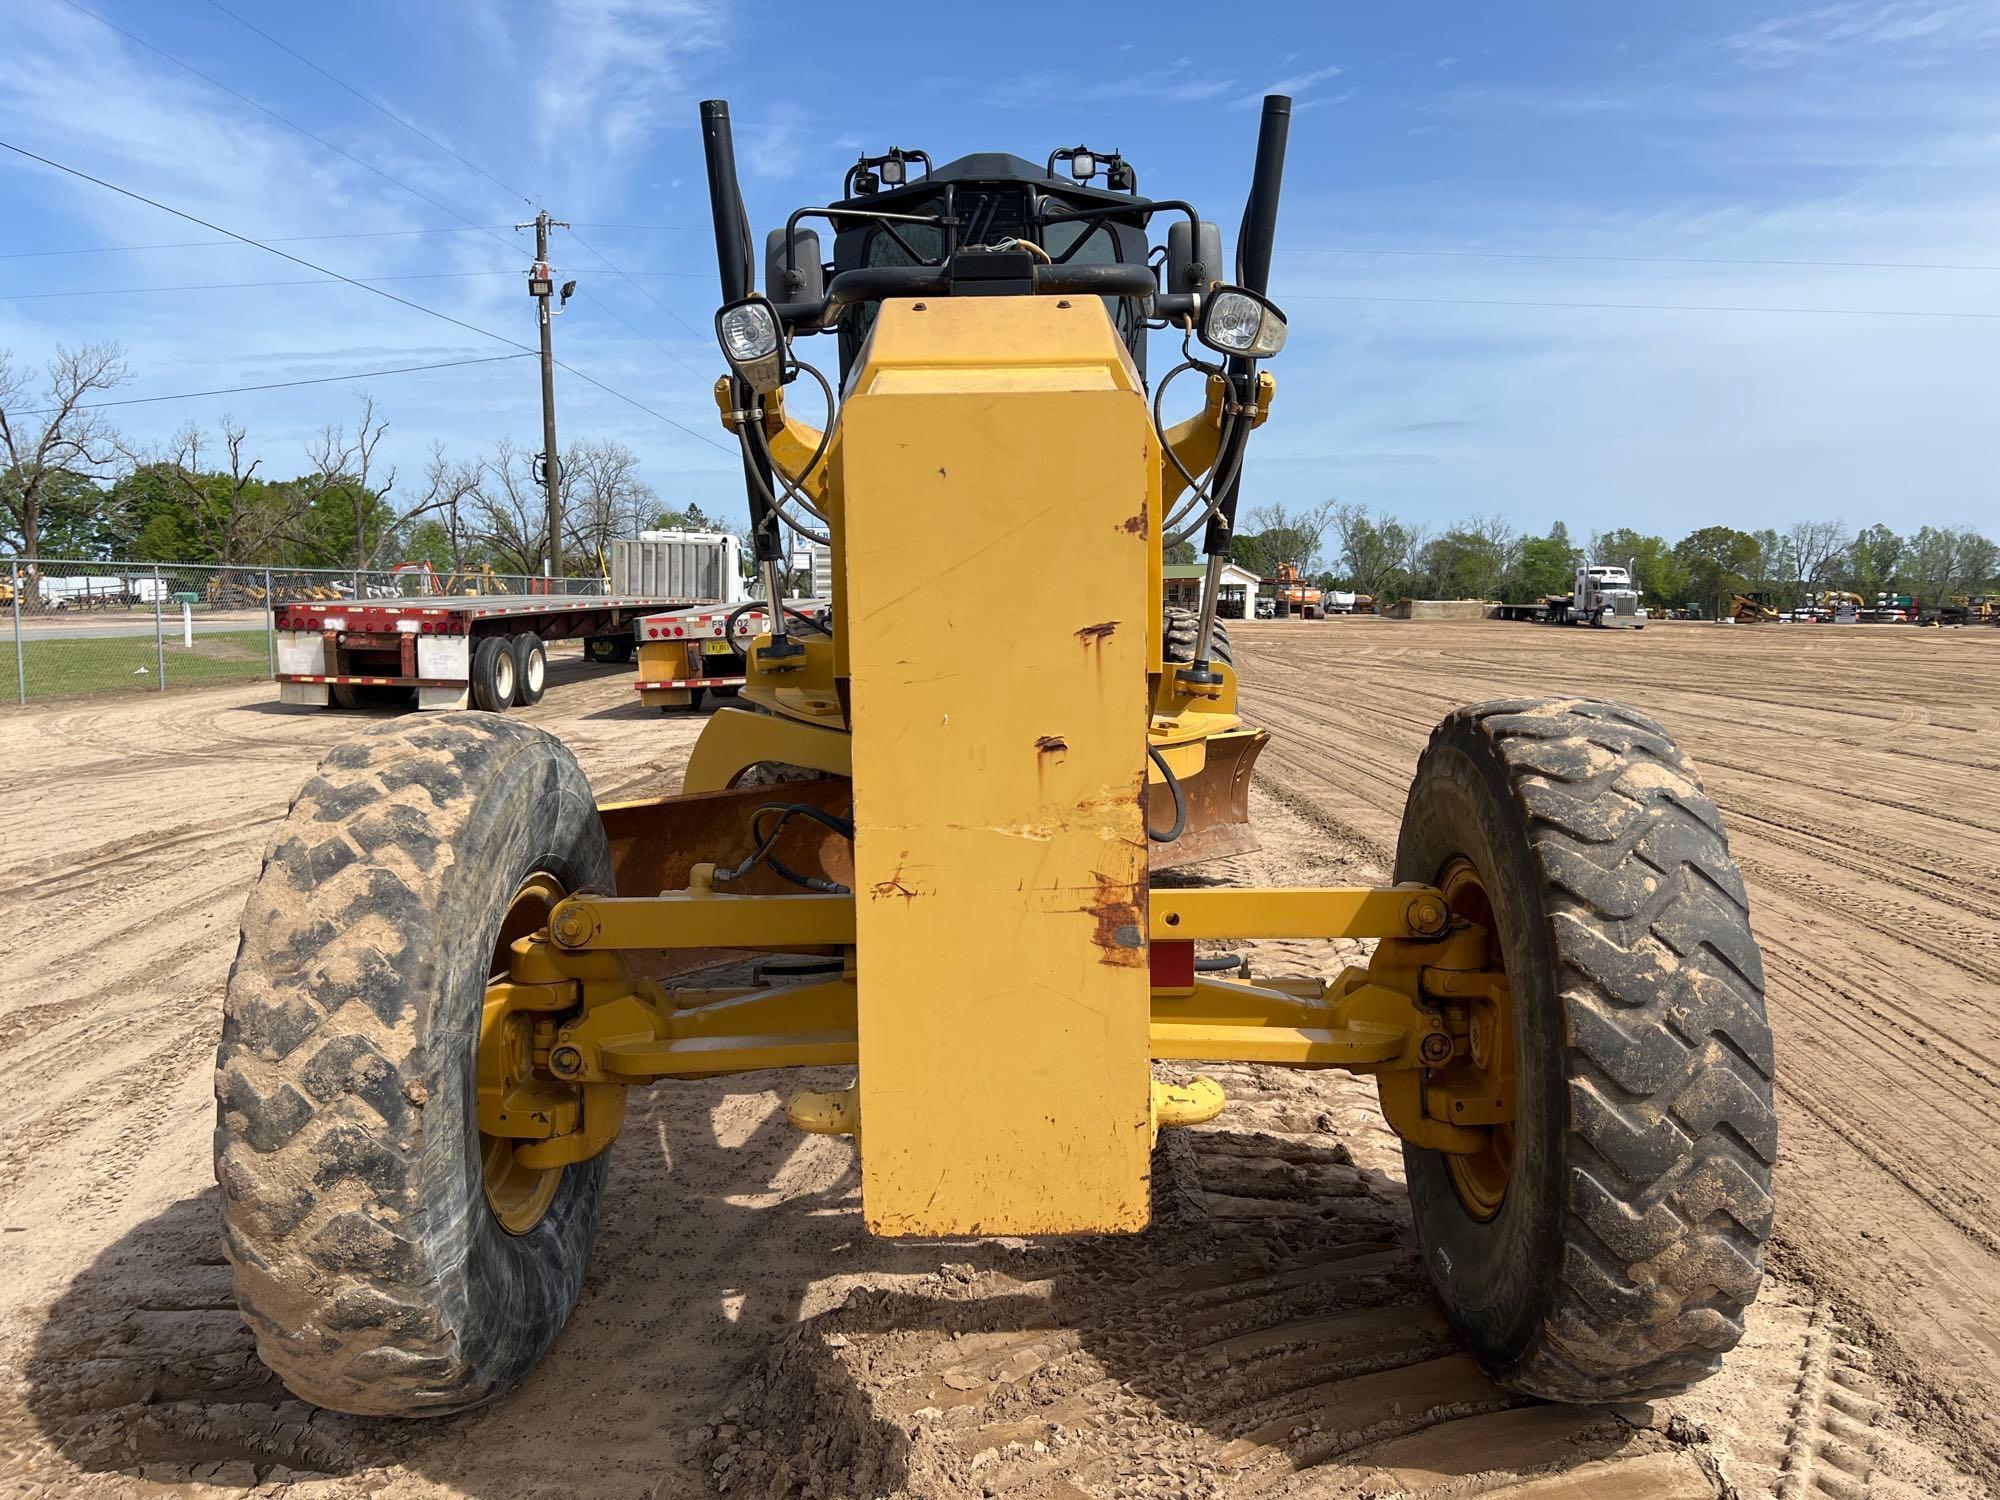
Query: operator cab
1000 202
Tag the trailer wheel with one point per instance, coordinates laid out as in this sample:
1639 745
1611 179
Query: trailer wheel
493 674
1606 1242
388 1258
531 668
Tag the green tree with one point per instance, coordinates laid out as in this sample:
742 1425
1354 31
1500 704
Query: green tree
1371 550
1720 561
1871 560
1657 572
1544 565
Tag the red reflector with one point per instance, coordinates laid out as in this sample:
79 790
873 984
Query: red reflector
1173 964
314 624
428 627
679 631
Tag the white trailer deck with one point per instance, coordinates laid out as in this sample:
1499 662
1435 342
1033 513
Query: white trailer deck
346 653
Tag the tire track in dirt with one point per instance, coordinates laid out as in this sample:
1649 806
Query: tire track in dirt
1865 821
1272 1334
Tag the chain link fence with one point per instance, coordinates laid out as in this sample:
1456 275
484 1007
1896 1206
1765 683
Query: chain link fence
81 628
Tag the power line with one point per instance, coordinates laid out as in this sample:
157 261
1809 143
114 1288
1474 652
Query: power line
1643 260
288 239
238 286
615 313
1837 312
380 109
636 287
351 281
281 385
297 260
288 124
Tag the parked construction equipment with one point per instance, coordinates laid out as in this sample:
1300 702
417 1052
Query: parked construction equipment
945 803
1751 609
1296 598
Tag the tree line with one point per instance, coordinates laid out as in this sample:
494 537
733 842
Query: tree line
1350 546
72 485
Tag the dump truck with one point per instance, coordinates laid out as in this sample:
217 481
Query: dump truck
456 965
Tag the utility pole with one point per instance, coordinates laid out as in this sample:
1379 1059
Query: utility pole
541 286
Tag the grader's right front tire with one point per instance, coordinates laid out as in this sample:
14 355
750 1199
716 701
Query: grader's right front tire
1605 1242
391 1259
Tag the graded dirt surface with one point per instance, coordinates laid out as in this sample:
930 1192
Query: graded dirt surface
1271 1334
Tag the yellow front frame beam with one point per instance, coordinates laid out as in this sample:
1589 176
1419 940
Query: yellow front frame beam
702 919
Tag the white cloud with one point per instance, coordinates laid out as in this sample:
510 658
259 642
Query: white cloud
613 72
1914 28
1295 85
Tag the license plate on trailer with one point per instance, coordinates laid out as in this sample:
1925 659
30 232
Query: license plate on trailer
716 648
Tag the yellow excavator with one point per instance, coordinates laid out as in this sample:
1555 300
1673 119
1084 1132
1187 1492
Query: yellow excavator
456 966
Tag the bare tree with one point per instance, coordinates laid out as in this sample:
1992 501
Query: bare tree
603 496
234 515
511 516
1815 547
449 488
1302 532
343 467
62 437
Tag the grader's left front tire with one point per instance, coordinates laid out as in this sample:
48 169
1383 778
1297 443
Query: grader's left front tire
1605 1242
391 1259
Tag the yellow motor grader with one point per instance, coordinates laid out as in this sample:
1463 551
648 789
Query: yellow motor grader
936 842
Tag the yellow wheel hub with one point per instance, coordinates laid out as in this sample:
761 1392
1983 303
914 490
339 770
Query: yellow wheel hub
519 1196
1480 1177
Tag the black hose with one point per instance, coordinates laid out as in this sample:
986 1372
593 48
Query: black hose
766 841
1221 963
1180 802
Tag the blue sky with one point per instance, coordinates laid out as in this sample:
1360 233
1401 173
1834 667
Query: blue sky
1574 195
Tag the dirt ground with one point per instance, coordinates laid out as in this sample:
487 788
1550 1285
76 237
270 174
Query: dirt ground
1271 1334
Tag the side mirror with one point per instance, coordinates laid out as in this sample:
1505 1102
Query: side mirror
1194 256
806 281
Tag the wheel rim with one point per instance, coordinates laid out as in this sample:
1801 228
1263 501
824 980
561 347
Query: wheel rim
1480 1178
538 671
519 1196
503 678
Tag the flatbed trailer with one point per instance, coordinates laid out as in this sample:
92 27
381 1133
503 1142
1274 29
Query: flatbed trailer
486 651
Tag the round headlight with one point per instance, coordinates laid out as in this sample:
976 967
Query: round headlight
1237 321
749 332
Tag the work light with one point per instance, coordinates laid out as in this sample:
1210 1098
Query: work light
751 342
1236 320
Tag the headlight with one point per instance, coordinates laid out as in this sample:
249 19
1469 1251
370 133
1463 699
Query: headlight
1235 320
749 331
751 342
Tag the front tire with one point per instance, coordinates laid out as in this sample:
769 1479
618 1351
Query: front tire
1179 630
362 1209
1605 1248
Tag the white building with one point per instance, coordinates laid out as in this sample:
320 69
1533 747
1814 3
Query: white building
1238 588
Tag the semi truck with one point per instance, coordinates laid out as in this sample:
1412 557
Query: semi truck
1601 594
